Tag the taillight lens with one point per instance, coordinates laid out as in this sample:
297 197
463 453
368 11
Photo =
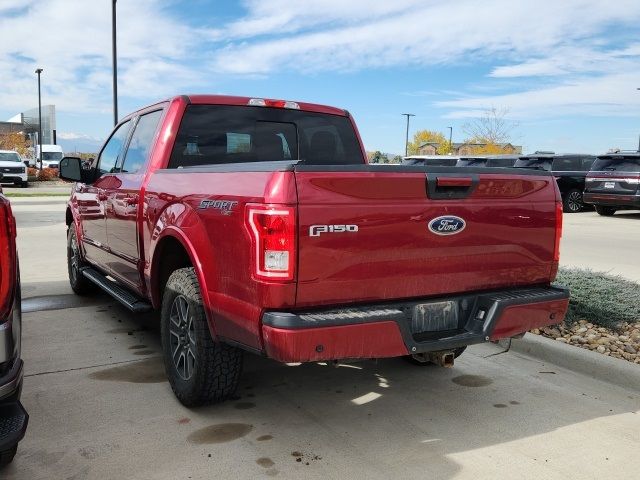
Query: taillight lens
7 258
273 232
556 248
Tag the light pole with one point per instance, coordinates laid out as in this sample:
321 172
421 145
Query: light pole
39 71
406 139
450 144
115 62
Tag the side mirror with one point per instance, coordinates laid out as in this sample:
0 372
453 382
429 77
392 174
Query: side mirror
72 168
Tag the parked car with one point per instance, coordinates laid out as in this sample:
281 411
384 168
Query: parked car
51 155
614 183
257 225
13 417
570 171
490 161
432 160
13 168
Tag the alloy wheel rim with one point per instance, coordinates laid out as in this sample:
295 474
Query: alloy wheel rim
182 338
575 199
75 262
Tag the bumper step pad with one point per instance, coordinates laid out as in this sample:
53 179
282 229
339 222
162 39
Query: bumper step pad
13 424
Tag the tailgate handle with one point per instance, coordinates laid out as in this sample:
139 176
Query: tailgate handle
451 185
454 181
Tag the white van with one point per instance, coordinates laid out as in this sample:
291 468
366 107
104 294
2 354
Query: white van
51 155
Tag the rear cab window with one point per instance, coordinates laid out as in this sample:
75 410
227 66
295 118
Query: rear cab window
221 134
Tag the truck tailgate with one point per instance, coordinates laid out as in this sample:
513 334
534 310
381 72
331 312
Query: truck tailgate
375 234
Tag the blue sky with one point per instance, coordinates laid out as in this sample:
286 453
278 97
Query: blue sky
567 71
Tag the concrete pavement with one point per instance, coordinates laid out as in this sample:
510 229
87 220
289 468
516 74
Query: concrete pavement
603 244
101 408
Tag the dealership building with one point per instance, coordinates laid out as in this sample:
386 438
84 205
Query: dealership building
27 123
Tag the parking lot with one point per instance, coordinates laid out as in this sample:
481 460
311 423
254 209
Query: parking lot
100 406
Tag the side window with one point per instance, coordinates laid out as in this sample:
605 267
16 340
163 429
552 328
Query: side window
141 142
111 151
566 164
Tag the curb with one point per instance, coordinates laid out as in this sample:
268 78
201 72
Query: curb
608 369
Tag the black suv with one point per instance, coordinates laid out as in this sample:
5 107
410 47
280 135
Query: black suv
490 161
614 183
570 171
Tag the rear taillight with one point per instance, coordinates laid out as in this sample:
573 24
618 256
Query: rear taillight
556 248
273 234
7 258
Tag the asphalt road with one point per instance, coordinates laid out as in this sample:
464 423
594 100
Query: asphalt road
101 409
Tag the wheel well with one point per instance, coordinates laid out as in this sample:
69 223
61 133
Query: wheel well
170 256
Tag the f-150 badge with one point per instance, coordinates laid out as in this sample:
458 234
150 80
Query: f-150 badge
225 206
447 225
317 230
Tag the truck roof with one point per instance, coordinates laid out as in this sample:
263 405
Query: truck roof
209 99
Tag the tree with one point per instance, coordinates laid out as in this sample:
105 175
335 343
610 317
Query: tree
424 136
492 127
14 141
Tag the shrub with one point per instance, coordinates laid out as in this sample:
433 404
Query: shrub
47 174
602 299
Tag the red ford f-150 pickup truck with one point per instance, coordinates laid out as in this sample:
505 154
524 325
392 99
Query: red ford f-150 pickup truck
257 225
13 417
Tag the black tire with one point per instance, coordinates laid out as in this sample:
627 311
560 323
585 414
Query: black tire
415 361
572 201
605 211
80 284
6 456
200 371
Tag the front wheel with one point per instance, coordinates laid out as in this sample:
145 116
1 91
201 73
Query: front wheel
605 211
200 370
572 201
80 284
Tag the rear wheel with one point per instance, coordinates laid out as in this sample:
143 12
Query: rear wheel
605 211
200 370
422 361
572 201
80 284
6 456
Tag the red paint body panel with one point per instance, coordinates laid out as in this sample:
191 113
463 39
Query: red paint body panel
522 318
368 340
508 240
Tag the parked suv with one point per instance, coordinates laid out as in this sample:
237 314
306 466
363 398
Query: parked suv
570 171
431 160
614 183
13 417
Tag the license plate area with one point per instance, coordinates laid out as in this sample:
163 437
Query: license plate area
609 184
434 317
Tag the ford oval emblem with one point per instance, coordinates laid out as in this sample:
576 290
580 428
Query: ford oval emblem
447 225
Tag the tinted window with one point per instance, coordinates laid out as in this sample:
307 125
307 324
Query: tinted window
111 151
9 157
567 164
435 162
215 134
587 162
141 142
501 162
619 164
471 162
539 163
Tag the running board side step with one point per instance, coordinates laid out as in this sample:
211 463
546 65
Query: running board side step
124 296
